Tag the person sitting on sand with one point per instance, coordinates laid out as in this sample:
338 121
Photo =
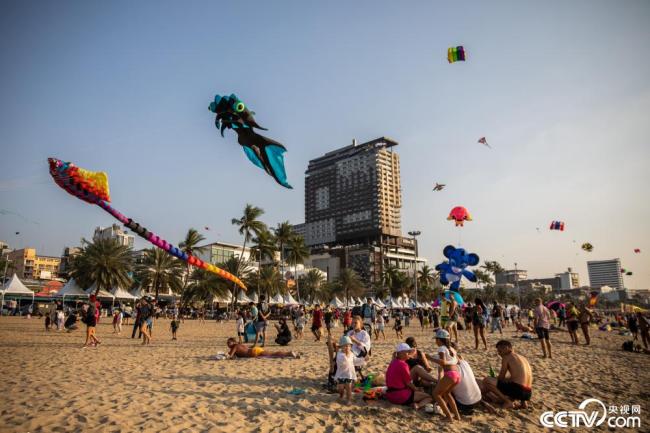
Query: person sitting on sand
419 366
242 351
284 333
467 394
521 327
345 375
401 389
515 379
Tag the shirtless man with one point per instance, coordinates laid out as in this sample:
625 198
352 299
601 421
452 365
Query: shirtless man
243 351
517 386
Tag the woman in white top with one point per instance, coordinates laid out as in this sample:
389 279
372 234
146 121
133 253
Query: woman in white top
448 361
361 342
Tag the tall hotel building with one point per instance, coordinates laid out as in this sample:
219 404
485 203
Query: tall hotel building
352 209
605 273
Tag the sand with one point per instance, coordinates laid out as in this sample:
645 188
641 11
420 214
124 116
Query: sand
50 384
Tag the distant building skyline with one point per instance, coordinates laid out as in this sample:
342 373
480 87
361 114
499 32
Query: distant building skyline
605 273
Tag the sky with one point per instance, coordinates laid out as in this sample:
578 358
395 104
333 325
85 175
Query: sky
560 90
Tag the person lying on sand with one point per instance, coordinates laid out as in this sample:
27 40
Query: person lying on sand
517 386
243 351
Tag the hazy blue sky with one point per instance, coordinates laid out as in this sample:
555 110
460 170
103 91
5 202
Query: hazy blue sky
560 89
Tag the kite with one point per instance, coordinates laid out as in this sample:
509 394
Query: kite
629 273
623 270
557 225
482 140
587 247
637 250
453 269
456 54
265 153
92 187
206 228
439 186
459 214
17 233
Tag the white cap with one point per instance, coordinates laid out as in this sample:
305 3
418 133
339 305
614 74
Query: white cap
403 347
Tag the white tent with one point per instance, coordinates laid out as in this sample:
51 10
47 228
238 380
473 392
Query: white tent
138 293
378 303
290 300
358 302
243 299
15 287
277 299
102 293
120 293
71 288
227 299
254 298
336 302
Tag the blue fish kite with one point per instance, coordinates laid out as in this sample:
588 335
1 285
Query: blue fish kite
265 153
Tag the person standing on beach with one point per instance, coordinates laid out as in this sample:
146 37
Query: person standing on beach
328 317
572 322
454 315
317 322
585 318
347 320
146 320
479 319
137 322
497 317
345 373
263 314
380 326
91 323
174 327
515 379
644 328
542 326
240 326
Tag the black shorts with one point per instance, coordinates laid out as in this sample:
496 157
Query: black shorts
572 325
344 381
542 333
328 326
241 334
514 391
314 328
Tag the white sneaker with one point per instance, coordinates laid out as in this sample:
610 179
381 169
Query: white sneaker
428 408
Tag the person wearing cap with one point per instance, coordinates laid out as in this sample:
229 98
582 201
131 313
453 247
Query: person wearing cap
448 362
401 389
345 374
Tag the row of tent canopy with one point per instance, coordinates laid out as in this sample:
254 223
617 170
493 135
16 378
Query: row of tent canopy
15 287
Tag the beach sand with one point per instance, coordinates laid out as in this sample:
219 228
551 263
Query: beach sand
50 384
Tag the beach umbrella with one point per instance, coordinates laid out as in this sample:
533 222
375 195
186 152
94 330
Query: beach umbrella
554 305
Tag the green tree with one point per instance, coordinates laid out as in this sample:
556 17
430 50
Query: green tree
297 253
160 272
283 234
264 246
271 281
483 277
105 263
426 276
492 267
349 283
206 286
248 225
189 246
311 284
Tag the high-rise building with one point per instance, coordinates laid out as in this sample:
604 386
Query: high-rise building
66 260
114 232
353 200
605 273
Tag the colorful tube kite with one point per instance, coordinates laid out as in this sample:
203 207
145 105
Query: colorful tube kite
557 225
92 187
456 54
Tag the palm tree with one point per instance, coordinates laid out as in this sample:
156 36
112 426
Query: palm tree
349 283
103 262
483 277
161 271
205 286
493 267
297 252
283 234
426 276
249 225
264 246
311 284
189 246
271 281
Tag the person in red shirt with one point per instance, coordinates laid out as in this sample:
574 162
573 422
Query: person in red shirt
317 322
400 385
347 320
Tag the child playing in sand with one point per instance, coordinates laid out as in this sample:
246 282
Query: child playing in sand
242 351
174 327
240 326
345 374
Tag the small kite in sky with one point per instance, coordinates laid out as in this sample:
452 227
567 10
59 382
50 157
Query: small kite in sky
630 273
483 141
456 54
265 153
637 250
557 225
17 233
587 247
207 228
439 186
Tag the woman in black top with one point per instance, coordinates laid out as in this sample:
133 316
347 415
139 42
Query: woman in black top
284 333
419 366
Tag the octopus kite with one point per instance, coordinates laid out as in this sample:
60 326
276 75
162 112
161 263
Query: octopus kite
459 214
92 187
265 153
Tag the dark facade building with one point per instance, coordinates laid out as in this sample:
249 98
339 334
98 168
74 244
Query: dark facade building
353 200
